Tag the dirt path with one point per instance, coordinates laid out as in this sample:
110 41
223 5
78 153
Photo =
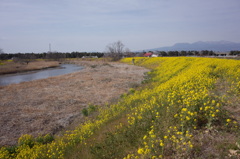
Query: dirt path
49 105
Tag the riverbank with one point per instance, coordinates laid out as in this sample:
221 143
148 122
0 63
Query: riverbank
16 67
50 105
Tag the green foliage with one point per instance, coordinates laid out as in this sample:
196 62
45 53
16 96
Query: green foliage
110 148
26 140
90 109
12 150
45 139
131 90
85 111
115 144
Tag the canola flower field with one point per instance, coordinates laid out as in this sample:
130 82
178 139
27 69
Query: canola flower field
163 118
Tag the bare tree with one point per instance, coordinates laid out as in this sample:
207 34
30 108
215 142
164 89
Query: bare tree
115 50
127 51
1 51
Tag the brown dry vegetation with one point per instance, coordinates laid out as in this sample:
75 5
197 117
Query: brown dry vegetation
14 67
49 105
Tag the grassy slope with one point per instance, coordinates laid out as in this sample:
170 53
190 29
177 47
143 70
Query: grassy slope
180 112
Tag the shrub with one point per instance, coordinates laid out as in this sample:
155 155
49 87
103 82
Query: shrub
27 140
85 112
45 139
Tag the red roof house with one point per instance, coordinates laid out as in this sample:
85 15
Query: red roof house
148 54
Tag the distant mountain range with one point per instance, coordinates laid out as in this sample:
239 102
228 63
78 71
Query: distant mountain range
218 46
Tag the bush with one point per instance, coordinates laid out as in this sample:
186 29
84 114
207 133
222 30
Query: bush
92 108
85 112
26 140
45 139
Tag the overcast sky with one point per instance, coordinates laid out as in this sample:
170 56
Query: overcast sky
90 25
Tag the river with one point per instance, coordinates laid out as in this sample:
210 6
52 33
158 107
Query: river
34 75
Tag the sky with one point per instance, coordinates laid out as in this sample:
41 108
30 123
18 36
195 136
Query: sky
90 25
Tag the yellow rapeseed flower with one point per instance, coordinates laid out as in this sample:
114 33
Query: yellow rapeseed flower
140 151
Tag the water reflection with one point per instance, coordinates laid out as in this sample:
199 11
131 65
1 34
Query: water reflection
23 77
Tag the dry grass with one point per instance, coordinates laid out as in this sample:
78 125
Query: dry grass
49 105
214 144
12 67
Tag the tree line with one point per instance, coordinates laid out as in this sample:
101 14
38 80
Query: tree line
114 54
116 51
49 55
186 53
191 53
234 52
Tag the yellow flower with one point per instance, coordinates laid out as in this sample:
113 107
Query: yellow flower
140 151
144 137
191 146
161 144
153 136
184 109
213 101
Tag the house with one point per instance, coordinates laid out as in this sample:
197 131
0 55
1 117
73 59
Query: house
148 54
154 55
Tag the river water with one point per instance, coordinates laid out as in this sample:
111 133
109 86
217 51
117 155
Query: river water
34 75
